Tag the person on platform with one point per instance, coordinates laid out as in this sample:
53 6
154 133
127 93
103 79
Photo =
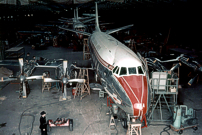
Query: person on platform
43 124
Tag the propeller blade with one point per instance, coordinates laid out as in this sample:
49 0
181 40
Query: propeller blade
6 79
192 80
21 65
77 80
175 67
50 80
34 77
24 95
64 67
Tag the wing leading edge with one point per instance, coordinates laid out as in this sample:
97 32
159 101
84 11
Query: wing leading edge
118 29
76 31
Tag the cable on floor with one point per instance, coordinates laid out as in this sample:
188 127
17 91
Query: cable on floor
32 115
166 129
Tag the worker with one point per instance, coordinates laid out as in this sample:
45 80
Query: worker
33 59
27 58
6 44
43 124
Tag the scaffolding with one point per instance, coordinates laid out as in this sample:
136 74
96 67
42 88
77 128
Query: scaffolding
164 95
46 85
82 88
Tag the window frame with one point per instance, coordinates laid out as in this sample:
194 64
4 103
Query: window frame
135 69
126 71
141 69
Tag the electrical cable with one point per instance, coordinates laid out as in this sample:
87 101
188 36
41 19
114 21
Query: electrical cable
32 115
166 130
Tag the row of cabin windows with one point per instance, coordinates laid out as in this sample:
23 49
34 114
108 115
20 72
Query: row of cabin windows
128 71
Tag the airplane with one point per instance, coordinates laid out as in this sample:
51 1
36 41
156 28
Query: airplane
77 22
123 73
123 76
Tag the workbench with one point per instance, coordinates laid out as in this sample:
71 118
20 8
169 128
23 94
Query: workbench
14 53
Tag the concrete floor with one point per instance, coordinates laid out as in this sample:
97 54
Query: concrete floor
89 114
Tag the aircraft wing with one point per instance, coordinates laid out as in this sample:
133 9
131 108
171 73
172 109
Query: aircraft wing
62 20
76 31
93 24
91 15
118 29
88 20
83 18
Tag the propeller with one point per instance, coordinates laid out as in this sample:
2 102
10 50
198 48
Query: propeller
6 79
65 67
175 67
192 80
49 80
21 66
22 77
34 77
64 79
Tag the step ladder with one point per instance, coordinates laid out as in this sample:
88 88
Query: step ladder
82 88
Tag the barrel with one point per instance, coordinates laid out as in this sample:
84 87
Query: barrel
115 108
73 91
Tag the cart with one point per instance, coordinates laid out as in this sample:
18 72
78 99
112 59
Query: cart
180 130
60 122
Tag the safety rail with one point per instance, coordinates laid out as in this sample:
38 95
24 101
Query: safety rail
170 86
164 95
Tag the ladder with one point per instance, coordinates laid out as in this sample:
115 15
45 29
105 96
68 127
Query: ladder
82 88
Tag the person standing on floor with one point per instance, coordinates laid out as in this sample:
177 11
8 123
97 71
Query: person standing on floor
27 58
43 124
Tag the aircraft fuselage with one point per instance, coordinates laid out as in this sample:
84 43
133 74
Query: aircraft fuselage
77 25
121 73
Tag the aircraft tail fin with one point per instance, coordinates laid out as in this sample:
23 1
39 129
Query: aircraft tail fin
77 16
74 13
96 18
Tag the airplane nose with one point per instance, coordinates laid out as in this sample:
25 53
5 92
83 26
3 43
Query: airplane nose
137 91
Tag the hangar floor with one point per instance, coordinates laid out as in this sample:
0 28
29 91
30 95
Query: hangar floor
89 115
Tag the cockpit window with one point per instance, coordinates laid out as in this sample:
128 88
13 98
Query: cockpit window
132 70
123 71
140 71
115 69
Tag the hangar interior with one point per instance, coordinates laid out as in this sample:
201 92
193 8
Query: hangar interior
53 58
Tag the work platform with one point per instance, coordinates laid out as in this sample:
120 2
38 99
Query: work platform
14 53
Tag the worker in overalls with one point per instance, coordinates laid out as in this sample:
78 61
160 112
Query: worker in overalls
43 124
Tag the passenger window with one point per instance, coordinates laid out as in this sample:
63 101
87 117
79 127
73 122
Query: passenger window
140 70
123 71
132 70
